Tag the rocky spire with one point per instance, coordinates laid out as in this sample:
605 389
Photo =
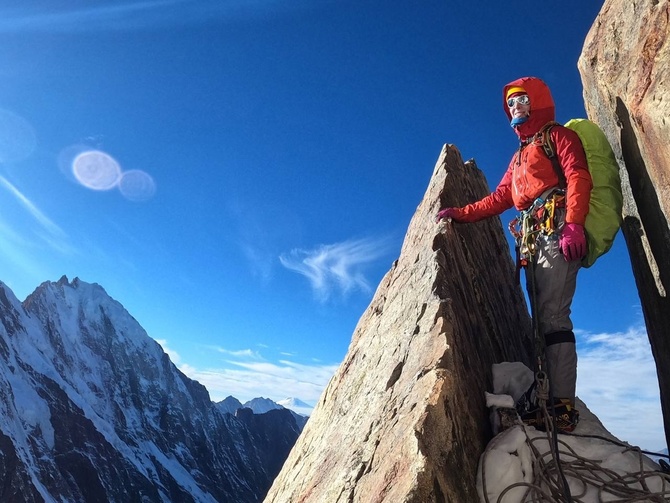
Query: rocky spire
404 418
625 69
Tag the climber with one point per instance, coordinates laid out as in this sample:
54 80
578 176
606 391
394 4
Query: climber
557 249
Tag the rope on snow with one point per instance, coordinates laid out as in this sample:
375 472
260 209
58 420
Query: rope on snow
547 486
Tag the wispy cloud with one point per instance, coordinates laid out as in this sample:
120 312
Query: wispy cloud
129 14
260 260
336 266
617 380
174 356
240 353
94 17
47 231
41 218
258 241
14 246
246 374
270 380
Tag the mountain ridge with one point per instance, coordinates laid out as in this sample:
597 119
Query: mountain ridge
94 410
260 405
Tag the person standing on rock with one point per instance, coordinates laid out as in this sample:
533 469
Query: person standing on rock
556 244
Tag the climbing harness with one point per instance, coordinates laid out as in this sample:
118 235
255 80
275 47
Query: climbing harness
540 218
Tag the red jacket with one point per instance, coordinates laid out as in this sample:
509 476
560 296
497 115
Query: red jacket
530 172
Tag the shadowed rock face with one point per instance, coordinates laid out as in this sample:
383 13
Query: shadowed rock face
625 69
404 418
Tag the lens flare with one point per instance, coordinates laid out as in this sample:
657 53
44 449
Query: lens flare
96 170
17 137
137 185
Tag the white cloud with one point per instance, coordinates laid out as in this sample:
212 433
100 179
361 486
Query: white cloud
174 356
336 266
240 353
245 374
617 380
247 380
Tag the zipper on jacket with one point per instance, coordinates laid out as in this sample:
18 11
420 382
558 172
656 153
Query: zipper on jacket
518 153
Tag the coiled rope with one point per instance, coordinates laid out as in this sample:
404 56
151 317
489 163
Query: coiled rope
551 469
584 473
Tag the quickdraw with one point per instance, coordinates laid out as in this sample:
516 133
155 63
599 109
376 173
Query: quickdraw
540 218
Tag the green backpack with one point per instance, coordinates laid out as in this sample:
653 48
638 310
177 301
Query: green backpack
605 209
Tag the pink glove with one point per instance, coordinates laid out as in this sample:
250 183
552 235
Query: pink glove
573 242
453 213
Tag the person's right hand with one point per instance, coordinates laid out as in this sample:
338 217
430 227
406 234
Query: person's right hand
452 213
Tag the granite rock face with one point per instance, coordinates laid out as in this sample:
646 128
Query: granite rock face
404 418
625 69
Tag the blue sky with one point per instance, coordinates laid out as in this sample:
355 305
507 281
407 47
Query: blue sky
240 174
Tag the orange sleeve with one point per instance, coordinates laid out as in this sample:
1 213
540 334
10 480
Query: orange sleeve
494 204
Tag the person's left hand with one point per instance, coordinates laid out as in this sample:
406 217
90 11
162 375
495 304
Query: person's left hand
573 241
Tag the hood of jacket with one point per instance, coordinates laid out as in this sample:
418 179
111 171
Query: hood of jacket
542 109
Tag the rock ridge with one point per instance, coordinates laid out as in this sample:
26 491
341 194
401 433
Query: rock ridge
625 70
404 418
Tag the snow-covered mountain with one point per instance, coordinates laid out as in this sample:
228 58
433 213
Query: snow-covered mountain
299 409
261 405
92 409
296 405
229 405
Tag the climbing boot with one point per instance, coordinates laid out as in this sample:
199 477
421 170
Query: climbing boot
565 416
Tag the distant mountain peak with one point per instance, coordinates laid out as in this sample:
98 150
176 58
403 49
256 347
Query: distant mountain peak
261 405
293 402
229 405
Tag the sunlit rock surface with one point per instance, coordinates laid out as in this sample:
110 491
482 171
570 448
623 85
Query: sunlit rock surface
625 69
404 418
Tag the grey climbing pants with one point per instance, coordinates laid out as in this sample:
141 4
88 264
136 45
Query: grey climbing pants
555 283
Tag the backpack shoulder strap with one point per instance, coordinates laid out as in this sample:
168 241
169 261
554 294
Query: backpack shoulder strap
550 150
